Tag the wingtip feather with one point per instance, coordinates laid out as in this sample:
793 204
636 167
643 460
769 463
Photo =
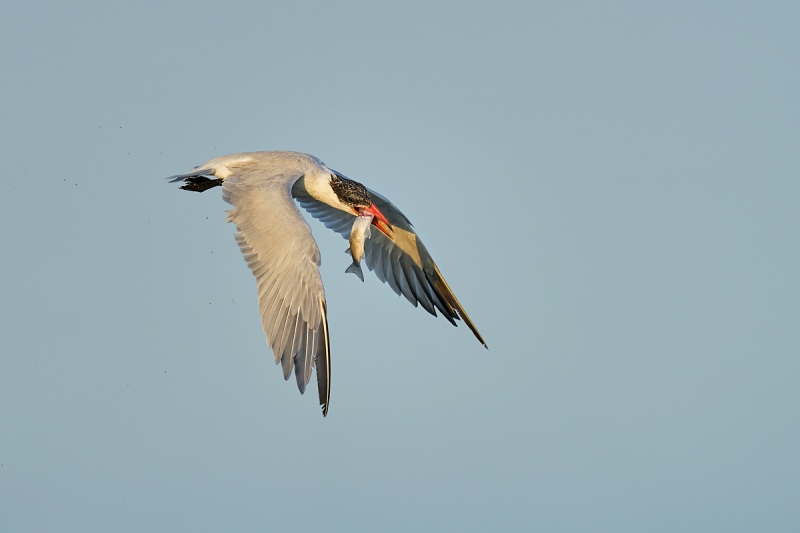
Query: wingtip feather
443 288
323 364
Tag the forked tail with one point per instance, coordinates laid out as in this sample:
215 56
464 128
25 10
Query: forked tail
197 181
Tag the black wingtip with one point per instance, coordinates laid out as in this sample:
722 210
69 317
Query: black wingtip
323 364
442 288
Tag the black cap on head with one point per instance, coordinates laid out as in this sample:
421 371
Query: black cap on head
350 192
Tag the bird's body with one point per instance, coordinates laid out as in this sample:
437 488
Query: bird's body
279 249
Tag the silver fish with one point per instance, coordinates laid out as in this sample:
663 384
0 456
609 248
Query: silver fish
358 235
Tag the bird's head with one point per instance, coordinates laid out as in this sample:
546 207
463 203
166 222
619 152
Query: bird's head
357 199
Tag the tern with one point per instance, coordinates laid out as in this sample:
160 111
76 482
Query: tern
282 254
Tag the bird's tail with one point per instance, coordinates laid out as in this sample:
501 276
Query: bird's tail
199 180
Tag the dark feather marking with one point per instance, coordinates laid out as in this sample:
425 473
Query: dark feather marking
443 303
425 296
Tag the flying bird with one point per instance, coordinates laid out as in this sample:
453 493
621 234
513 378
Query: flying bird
279 249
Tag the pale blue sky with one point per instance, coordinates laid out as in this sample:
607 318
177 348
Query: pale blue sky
610 188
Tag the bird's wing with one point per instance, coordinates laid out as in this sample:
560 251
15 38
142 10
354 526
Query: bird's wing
279 249
401 261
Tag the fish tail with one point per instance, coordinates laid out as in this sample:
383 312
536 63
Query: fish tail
355 268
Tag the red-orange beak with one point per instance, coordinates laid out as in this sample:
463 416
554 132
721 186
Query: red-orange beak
378 220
